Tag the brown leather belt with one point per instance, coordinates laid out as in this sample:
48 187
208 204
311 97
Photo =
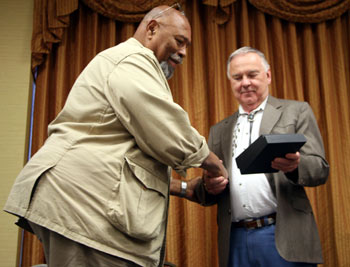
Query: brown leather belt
257 223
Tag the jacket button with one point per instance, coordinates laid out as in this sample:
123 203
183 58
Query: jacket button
229 211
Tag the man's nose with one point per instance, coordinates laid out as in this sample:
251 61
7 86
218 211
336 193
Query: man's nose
182 52
245 81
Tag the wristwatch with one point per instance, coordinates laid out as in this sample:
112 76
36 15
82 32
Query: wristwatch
183 189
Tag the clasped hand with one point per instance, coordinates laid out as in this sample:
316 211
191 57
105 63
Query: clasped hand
214 185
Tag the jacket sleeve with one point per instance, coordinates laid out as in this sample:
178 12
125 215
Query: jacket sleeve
313 169
202 196
142 101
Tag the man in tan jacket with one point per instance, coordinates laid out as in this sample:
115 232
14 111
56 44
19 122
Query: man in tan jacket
97 192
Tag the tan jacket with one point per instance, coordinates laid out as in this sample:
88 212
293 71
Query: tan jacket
104 167
296 233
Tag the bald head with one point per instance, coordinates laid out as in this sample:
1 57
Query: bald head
163 14
159 11
166 31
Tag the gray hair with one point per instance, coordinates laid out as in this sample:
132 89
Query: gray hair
245 50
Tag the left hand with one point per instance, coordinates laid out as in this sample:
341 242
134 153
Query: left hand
214 185
175 187
287 164
191 185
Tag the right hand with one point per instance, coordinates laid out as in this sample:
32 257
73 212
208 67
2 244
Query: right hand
214 185
214 166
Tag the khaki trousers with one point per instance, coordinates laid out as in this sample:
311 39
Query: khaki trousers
62 252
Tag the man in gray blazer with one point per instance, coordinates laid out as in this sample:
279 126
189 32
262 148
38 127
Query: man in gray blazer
264 219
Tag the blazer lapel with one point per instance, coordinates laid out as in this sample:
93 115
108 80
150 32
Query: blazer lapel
271 115
226 140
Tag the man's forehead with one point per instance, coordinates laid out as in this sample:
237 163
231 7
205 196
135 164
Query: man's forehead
176 27
246 62
249 57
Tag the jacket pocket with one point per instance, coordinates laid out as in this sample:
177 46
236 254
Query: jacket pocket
139 202
300 200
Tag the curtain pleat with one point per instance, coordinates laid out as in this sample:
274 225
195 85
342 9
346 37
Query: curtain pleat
306 11
309 11
309 62
50 18
126 11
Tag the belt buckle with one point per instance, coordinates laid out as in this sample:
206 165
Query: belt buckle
259 223
255 224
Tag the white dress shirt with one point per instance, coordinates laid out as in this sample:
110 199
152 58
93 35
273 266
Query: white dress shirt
251 195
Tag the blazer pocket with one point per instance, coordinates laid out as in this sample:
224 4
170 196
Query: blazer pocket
138 203
284 128
301 204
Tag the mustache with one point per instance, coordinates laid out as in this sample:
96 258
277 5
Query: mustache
167 69
175 57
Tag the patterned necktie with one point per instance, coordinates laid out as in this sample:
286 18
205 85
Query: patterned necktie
251 120
237 129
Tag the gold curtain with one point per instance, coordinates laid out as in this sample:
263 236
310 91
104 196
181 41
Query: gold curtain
51 17
309 11
309 62
49 20
126 11
306 11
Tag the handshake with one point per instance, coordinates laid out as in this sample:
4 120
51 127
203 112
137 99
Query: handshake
215 179
215 175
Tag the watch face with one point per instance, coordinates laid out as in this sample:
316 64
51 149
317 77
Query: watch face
183 189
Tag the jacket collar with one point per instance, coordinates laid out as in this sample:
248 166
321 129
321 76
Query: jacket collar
271 115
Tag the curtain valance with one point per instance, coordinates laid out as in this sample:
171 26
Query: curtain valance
50 17
222 9
304 11
126 11
49 20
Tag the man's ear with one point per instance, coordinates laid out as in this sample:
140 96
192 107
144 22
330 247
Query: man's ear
152 28
268 75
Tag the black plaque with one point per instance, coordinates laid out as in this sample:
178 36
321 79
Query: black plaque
258 156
